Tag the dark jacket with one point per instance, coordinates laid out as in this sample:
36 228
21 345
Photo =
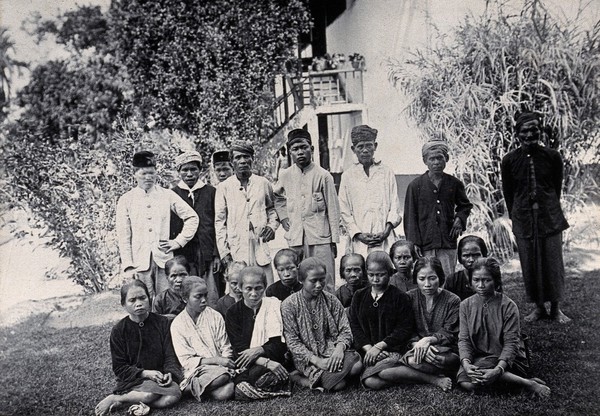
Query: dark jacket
202 248
520 198
429 212
135 347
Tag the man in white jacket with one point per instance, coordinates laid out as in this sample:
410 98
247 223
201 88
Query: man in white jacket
245 216
143 225
369 203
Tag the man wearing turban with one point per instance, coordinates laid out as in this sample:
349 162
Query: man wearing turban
369 203
201 252
245 216
143 225
532 177
436 208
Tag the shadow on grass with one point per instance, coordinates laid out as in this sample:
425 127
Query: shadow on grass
67 371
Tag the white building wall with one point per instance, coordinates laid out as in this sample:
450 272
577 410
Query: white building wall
381 30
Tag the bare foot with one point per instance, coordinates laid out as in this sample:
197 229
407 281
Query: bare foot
107 405
537 314
539 389
444 383
561 318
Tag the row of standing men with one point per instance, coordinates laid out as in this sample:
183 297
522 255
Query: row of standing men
234 222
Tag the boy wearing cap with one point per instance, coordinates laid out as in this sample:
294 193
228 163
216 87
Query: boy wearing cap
369 202
245 216
201 252
307 205
222 165
436 208
143 225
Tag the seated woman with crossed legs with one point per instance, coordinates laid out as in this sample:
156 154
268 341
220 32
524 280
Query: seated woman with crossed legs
489 341
317 332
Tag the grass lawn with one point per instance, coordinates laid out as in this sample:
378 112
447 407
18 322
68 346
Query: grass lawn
66 372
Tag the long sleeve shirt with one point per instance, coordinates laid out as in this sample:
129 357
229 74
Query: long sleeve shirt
519 196
429 211
491 330
135 348
204 338
308 199
441 322
236 208
315 329
368 203
391 321
143 218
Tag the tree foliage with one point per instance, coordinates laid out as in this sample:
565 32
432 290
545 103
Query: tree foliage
468 88
79 29
65 99
207 67
8 67
201 71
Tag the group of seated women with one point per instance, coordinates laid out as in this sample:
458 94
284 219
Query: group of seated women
386 336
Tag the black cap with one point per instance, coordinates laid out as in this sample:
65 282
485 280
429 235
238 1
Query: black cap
144 159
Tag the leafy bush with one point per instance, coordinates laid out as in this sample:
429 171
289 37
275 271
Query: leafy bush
469 86
65 99
207 67
74 189
198 73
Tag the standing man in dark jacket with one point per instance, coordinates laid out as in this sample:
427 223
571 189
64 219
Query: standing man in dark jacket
532 177
201 252
436 208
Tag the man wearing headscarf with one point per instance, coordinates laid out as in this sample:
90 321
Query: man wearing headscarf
307 204
532 178
436 208
143 225
369 203
201 252
245 216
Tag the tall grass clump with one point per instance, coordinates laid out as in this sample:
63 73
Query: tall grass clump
467 88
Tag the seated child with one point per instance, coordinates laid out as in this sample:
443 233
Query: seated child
142 355
403 255
201 344
470 248
286 263
489 340
382 323
352 270
317 332
169 302
235 291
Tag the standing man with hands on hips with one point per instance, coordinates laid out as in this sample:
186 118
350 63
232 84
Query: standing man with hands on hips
143 225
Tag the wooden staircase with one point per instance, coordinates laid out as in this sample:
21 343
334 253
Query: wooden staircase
312 94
